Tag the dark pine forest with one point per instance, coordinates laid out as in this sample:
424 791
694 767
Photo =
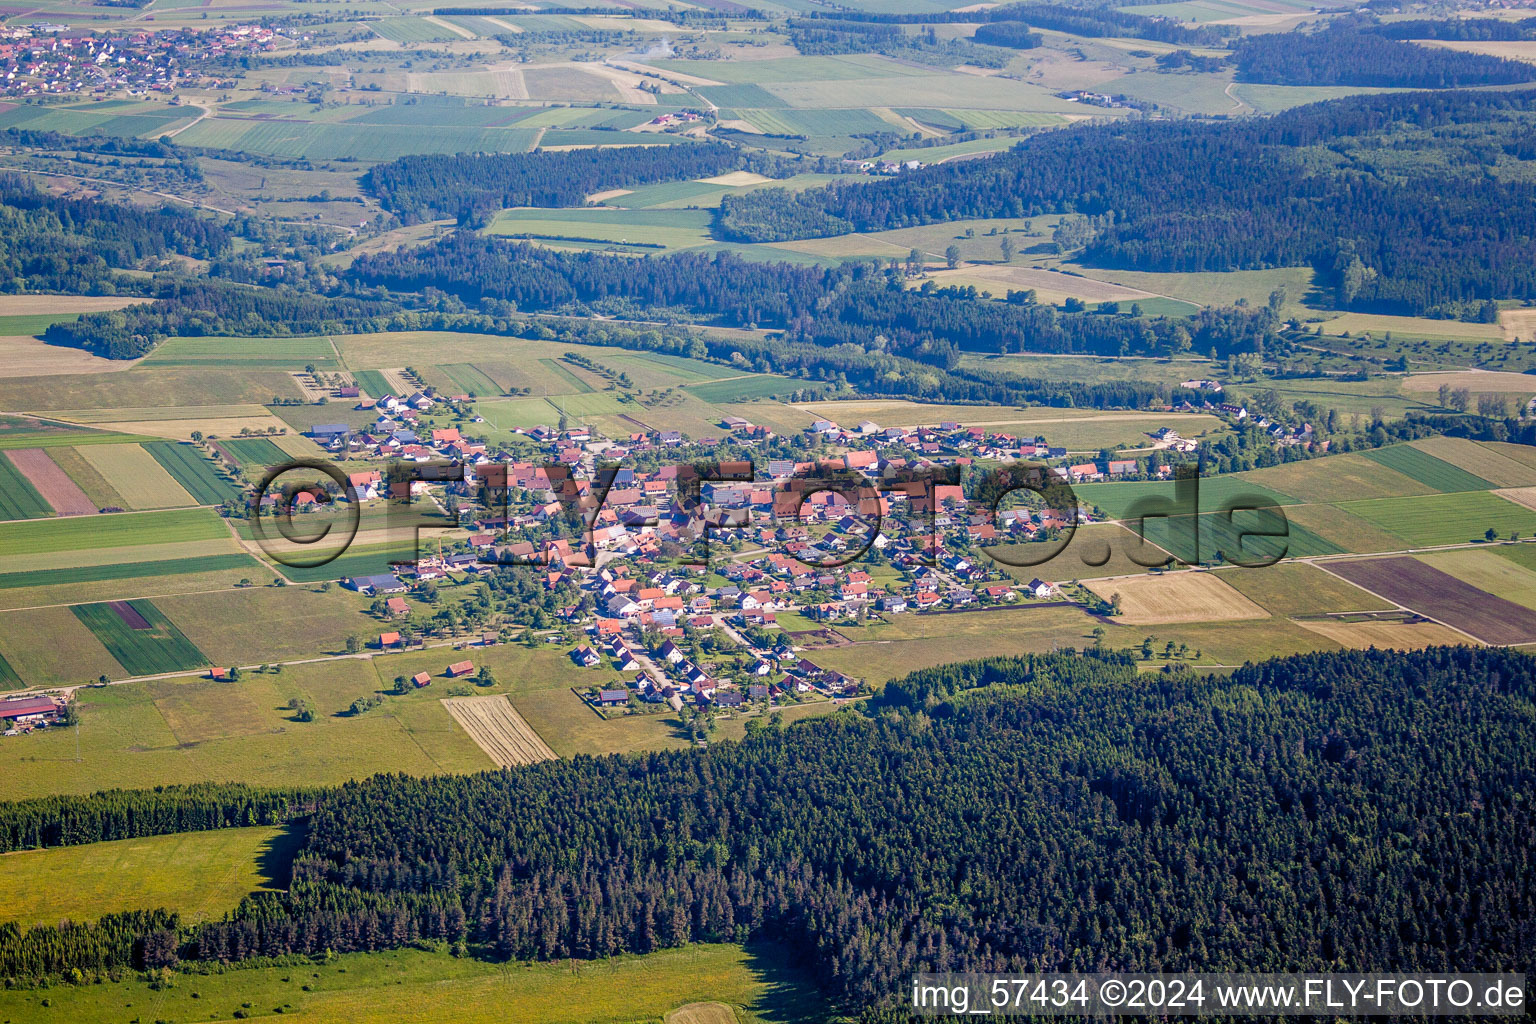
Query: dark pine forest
1355 810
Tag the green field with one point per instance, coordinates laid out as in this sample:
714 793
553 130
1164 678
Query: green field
200 875
765 385
372 383
95 119
1246 537
127 570
411 30
937 154
161 648
751 985
254 454
1428 470
18 498
73 438
33 323
812 123
9 680
1216 493
359 561
1435 519
80 533
327 141
470 378
560 370
978 120
667 229
672 194
193 470
284 353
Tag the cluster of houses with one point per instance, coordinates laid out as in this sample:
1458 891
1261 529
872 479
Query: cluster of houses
681 117
669 675
47 59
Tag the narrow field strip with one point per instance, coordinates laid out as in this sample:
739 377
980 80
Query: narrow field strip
127 571
18 498
50 480
496 727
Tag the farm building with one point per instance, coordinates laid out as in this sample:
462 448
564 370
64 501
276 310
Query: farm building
329 431
422 679
382 583
29 710
460 668
397 606
387 640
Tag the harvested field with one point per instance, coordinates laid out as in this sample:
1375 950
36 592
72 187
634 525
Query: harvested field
52 482
137 476
735 179
1176 597
1048 285
1519 495
26 356
36 305
1522 453
1399 636
1442 597
496 727
1300 588
97 491
1496 382
1337 478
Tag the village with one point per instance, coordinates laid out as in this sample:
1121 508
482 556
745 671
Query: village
53 60
670 567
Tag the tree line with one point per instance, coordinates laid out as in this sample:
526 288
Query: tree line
471 187
855 304
135 813
1426 238
188 308
1078 21
1043 813
1459 29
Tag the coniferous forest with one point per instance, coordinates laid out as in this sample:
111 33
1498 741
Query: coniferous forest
1046 812
1347 56
1436 238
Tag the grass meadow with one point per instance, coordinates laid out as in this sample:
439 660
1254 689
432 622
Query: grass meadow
1436 519
751 985
200 875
